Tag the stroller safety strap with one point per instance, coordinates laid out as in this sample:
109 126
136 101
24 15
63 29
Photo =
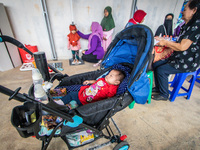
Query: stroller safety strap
77 121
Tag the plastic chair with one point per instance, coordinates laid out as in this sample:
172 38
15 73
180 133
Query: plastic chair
150 76
177 85
198 76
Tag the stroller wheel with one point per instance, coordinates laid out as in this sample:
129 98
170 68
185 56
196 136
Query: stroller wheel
122 146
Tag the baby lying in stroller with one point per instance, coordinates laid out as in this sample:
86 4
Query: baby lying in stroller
95 90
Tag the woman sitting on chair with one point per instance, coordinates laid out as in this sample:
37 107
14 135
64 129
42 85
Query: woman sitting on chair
185 57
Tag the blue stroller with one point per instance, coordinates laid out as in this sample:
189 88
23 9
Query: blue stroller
130 52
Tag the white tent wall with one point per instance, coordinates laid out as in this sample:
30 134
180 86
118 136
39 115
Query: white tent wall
28 23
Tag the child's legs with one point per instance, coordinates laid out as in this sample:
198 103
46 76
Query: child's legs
73 55
71 96
77 55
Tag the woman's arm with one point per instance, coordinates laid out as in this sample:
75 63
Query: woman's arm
93 45
184 45
84 36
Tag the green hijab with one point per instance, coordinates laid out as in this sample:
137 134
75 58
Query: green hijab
107 23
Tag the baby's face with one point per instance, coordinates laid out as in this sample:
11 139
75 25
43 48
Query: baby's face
113 77
73 31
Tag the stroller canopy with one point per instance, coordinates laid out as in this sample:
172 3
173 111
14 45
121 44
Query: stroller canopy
132 45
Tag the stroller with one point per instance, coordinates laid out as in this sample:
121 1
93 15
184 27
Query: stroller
130 52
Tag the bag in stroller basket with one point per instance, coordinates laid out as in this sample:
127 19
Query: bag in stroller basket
129 52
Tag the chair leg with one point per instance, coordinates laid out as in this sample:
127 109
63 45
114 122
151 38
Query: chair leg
177 86
191 86
174 80
132 105
150 76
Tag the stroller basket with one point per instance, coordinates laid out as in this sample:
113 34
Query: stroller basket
26 119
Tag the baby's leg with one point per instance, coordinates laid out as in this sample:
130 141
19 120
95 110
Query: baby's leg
69 97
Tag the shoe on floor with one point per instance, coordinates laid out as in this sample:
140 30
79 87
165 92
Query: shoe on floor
159 97
73 63
78 62
155 90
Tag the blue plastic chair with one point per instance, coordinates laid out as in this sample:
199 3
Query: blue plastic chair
198 76
177 84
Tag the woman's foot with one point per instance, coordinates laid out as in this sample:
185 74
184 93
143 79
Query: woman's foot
159 97
97 64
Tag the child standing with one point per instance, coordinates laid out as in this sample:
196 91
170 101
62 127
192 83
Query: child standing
74 44
99 90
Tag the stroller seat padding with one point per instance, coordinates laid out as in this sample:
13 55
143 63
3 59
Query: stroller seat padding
122 87
93 113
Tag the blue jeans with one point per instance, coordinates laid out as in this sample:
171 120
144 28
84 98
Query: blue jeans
71 96
161 72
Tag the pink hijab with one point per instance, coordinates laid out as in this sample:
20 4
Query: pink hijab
96 30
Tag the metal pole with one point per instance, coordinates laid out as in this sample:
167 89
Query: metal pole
72 12
46 17
134 2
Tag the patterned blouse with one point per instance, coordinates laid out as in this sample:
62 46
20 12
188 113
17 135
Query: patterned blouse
188 60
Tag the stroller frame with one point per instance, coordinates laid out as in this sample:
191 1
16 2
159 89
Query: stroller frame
46 140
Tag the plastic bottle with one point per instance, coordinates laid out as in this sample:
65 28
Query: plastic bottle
170 38
40 94
167 38
37 76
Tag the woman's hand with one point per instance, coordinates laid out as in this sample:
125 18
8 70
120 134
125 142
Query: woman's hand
161 40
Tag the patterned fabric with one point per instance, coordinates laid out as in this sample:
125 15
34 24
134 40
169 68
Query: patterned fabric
188 60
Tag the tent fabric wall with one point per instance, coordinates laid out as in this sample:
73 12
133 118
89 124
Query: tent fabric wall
28 24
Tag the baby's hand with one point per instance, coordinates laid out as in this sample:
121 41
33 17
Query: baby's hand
86 82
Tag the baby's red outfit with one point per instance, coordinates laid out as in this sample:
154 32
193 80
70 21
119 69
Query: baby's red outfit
97 91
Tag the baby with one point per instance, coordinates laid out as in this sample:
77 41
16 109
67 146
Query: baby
98 90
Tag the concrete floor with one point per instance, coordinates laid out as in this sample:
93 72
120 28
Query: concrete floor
156 126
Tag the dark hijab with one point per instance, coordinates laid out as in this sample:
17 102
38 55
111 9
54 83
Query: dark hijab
166 28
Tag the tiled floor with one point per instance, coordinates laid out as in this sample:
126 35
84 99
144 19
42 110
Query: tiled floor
156 126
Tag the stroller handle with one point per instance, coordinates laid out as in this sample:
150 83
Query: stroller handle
4 38
22 98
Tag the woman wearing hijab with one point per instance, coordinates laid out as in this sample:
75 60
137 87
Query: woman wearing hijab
108 26
166 28
95 51
185 57
138 18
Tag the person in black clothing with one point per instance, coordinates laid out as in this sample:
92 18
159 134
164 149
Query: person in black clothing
185 57
166 28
